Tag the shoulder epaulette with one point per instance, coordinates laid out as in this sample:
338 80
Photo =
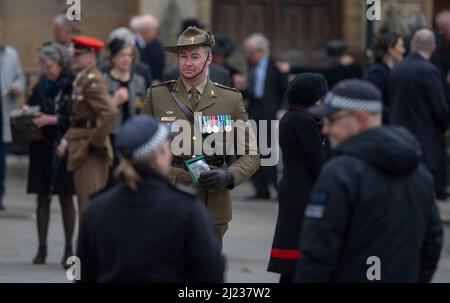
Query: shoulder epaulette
165 83
225 87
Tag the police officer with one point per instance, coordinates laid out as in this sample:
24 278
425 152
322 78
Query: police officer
169 234
371 215
212 108
93 116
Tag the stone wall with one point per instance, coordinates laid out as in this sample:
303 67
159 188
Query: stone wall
396 13
28 23
354 19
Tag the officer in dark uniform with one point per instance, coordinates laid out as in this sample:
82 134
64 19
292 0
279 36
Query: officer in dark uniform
93 116
144 229
372 214
212 109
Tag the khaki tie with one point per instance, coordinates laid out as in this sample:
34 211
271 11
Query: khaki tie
194 97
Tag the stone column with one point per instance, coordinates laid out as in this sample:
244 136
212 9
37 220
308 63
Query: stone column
354 27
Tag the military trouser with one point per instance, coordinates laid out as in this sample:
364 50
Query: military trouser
89 178
221 229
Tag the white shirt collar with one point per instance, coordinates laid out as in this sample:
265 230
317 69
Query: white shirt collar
140 41
424 55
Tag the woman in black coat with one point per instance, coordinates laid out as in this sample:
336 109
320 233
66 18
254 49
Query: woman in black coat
53 94
303 148
388 51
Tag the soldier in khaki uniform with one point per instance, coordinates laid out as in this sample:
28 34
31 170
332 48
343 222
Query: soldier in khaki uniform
215 107
93 116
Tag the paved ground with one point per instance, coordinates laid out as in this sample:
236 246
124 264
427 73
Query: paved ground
246 244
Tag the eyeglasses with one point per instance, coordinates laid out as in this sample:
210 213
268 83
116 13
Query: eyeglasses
332 118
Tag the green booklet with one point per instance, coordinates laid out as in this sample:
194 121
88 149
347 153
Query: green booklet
196 166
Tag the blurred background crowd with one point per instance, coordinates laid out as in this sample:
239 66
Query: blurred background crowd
260 45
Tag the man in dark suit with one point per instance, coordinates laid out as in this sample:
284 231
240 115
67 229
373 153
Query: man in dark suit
265 94
216 74
338 65
418 103
150 49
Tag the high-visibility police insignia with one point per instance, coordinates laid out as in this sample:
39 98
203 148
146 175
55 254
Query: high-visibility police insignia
316 208
314 211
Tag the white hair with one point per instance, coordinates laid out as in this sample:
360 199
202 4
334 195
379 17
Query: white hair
416 21
134 22
138 23
259 41
122 33
71 25
58 54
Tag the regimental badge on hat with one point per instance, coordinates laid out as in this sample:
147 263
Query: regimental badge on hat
85 44
192 36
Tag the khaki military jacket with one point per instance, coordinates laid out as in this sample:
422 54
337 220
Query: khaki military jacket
93 116
216 101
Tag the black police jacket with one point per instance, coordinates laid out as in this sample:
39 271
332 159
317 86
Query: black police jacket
372 214
157 234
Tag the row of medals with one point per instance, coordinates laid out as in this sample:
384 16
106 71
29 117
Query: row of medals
215 124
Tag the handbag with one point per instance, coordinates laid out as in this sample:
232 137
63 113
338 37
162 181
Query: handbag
23 130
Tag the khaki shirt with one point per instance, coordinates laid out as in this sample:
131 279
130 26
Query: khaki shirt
200 88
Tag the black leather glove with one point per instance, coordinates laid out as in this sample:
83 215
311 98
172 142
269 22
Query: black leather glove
216 178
